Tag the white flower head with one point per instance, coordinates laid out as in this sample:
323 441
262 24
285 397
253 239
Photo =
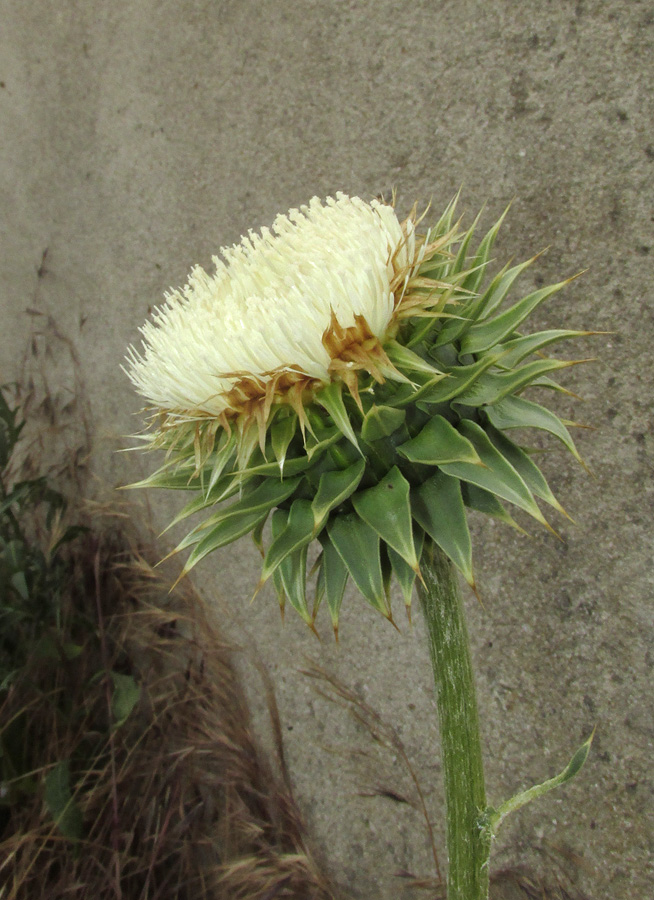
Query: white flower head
292 307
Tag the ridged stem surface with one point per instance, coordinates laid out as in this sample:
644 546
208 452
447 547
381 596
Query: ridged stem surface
468 841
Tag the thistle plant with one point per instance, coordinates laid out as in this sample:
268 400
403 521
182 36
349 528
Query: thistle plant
358 381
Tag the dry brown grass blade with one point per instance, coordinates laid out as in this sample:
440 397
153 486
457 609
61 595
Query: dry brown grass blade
386 735
520 884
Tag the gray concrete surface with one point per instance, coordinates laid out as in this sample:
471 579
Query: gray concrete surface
139 137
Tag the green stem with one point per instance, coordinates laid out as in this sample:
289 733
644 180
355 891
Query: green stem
468 837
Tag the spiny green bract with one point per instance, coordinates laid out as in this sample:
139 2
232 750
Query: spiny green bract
370 480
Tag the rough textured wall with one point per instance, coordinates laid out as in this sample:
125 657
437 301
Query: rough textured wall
139 137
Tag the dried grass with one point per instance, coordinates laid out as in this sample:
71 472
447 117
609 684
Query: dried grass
520 884
178 801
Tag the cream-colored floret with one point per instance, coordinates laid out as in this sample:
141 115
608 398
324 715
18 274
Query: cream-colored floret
270 302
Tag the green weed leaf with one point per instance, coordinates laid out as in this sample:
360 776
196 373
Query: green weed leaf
61 805
126 694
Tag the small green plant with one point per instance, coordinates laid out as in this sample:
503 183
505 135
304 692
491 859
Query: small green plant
44 629
32 570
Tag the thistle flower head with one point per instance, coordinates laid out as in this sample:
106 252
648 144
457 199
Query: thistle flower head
355 382
287 310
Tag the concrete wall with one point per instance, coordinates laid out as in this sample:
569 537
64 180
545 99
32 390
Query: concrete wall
139 137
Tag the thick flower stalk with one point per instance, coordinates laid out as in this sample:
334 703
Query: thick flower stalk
357 383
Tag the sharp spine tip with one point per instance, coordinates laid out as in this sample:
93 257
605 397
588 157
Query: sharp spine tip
390 618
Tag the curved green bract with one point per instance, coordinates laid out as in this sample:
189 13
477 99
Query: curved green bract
367 473
386 508
439 443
